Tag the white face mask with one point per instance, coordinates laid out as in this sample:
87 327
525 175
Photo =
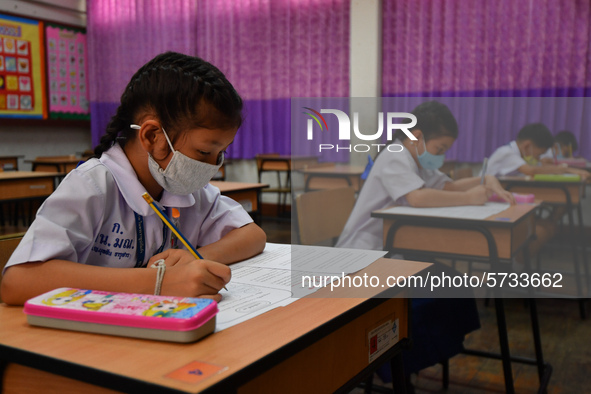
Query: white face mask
182 175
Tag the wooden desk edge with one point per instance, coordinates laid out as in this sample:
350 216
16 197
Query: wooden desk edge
238 376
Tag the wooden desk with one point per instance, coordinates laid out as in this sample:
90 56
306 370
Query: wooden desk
284 162
247 194
17 185
312 345
10 163
63 164
568 195
492 239
509 229
549 192
331 177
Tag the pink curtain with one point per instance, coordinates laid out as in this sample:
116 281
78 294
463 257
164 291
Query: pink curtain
271 50
490 48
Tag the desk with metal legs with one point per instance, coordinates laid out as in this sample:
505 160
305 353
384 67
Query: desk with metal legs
495 239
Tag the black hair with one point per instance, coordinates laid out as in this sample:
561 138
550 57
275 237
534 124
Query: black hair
434 119
565 138
538 134
182 91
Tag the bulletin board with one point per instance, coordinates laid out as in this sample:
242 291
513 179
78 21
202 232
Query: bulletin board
22 68
66 52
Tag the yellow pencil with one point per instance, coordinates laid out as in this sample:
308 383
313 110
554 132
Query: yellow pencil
172 227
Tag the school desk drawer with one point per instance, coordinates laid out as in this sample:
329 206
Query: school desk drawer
15 189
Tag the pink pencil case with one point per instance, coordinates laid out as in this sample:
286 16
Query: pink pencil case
519 198
166 318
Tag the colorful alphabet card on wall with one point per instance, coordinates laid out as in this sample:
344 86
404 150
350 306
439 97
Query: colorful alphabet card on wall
22 83
66 69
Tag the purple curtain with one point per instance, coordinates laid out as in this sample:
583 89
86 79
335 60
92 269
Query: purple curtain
122 36
271 50
492 48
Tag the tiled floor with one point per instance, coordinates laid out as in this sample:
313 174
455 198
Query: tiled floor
566 342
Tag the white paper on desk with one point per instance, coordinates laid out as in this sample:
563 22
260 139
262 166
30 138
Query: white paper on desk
243 302
476 212
266 281
319 259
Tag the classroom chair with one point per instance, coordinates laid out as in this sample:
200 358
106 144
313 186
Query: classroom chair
268 163
322 215
8 244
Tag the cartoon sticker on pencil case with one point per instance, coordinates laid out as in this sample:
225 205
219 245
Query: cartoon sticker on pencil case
96 302
22 47
1 63
2 83
66 297
1 44
168 308
2 101
51 44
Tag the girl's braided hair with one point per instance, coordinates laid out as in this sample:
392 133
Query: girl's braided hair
183 91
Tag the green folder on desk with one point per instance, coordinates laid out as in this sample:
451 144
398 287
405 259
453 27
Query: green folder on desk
557 177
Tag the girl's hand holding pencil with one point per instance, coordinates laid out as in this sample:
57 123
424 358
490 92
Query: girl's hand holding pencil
189 277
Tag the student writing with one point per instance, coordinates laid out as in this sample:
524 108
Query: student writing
522 156
411 177
176 117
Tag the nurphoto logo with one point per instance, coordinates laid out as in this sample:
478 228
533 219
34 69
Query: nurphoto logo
344 132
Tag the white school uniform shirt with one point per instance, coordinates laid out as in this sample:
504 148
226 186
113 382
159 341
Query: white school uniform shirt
505 160
90 217
392 176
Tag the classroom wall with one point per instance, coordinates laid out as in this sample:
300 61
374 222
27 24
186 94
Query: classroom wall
33 141
42 138
365 81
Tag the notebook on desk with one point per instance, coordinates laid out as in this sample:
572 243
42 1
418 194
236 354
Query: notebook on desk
557 177
476 212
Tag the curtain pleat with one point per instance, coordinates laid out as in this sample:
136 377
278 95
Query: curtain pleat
271 50
492 48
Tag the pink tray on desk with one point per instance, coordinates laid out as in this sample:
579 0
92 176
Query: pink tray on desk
167 318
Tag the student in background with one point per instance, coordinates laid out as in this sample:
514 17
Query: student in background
411 177
177 116
565 143
522 156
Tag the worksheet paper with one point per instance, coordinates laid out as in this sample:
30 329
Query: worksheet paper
267 281
477 212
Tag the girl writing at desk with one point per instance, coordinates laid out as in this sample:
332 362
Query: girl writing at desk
411 177
177 116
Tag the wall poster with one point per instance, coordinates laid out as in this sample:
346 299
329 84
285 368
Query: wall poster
22 68
67 72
